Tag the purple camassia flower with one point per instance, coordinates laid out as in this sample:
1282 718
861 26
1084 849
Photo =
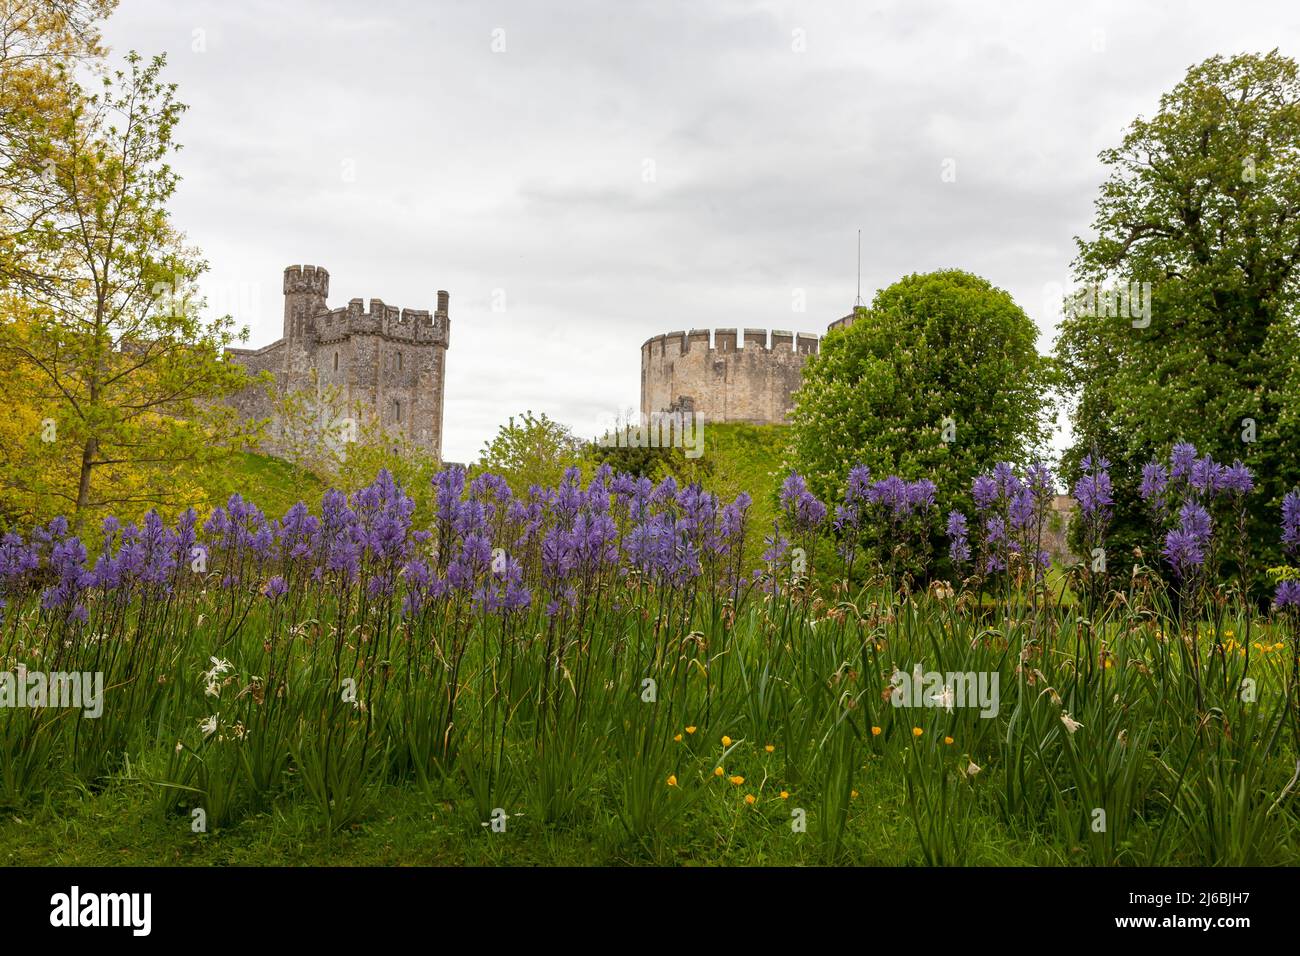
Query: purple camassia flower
777 546
448 487
659 548
848 516
1009 485
698 510
810 513
664 493
1185 546
1093 490
1181 460
1287 595
68 561
423 586
995 535
493 488
276 588
297 530
902 497
623 487
1183 551
1236 479
1155 482
383 519
473 560
858 486
504 590
985 491
1207 476
733 519
47 535
1040 481
527 518
1291 523
921 495
958 535
792 489
1195 520
569 498
802 509
890 493
16 558
160 557
1023 509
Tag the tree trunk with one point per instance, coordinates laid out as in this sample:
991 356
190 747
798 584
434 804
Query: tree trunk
83 484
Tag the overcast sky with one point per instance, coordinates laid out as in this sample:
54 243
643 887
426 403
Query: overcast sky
584 175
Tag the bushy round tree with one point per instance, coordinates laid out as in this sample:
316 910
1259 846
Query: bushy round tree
939 378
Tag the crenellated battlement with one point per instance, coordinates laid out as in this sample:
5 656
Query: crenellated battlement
747 375
726 341
306 279
418 326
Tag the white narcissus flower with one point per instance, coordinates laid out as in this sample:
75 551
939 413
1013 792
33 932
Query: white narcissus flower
1070 723
213 689
209 726
972 768
219 667
945 698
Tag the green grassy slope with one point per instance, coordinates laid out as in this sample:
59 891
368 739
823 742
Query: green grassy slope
270 483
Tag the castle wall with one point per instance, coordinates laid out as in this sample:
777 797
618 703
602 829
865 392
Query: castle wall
734 378
253 401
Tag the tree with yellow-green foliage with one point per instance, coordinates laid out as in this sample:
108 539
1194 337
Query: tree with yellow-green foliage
530 450
100 326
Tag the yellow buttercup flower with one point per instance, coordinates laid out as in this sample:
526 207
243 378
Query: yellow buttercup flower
948 740
678 738
917 731
785 794
726 741
690 730
875 731
718 771
750 798
672 780
853 794
769 748
738 780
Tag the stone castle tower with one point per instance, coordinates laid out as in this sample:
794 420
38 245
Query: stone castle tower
389 361
728 378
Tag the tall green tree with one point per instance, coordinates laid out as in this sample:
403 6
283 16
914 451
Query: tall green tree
939 378
1202 206
129 374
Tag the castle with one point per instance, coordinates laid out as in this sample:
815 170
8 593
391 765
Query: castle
389 362
725 379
